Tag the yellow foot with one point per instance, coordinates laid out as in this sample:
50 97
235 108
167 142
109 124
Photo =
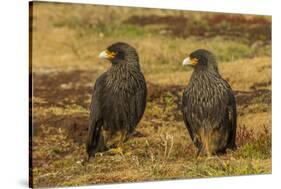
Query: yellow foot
117 150
128 153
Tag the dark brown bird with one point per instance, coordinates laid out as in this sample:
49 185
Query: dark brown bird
208 106
118 100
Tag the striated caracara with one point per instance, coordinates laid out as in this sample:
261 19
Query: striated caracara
208 106
118 100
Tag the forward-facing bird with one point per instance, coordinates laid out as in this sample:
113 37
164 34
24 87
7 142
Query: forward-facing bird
208 106
118 100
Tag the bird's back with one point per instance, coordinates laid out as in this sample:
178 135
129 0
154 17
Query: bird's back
206 99
209 108
123 100
209 112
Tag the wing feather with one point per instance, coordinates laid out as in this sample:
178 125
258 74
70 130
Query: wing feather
96 120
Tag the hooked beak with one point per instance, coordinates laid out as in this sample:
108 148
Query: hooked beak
103 55
186 61
107 55
189 61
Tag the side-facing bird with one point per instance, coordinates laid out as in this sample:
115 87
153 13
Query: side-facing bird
118 100
208 106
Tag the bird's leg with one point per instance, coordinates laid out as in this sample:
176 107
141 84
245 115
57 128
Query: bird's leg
87 159
198 152
120 138
199 148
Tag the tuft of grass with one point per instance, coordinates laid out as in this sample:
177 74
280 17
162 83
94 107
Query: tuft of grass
215 168
255 146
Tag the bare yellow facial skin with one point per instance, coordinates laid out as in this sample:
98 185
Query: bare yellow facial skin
193 61
110 55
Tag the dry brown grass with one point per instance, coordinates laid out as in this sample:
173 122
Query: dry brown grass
66 42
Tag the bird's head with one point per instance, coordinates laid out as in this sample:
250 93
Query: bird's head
120 52
201 59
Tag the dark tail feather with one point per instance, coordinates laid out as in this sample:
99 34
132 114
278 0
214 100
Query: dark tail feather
94 133
233 123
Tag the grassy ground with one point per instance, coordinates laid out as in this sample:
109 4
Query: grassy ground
66 41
